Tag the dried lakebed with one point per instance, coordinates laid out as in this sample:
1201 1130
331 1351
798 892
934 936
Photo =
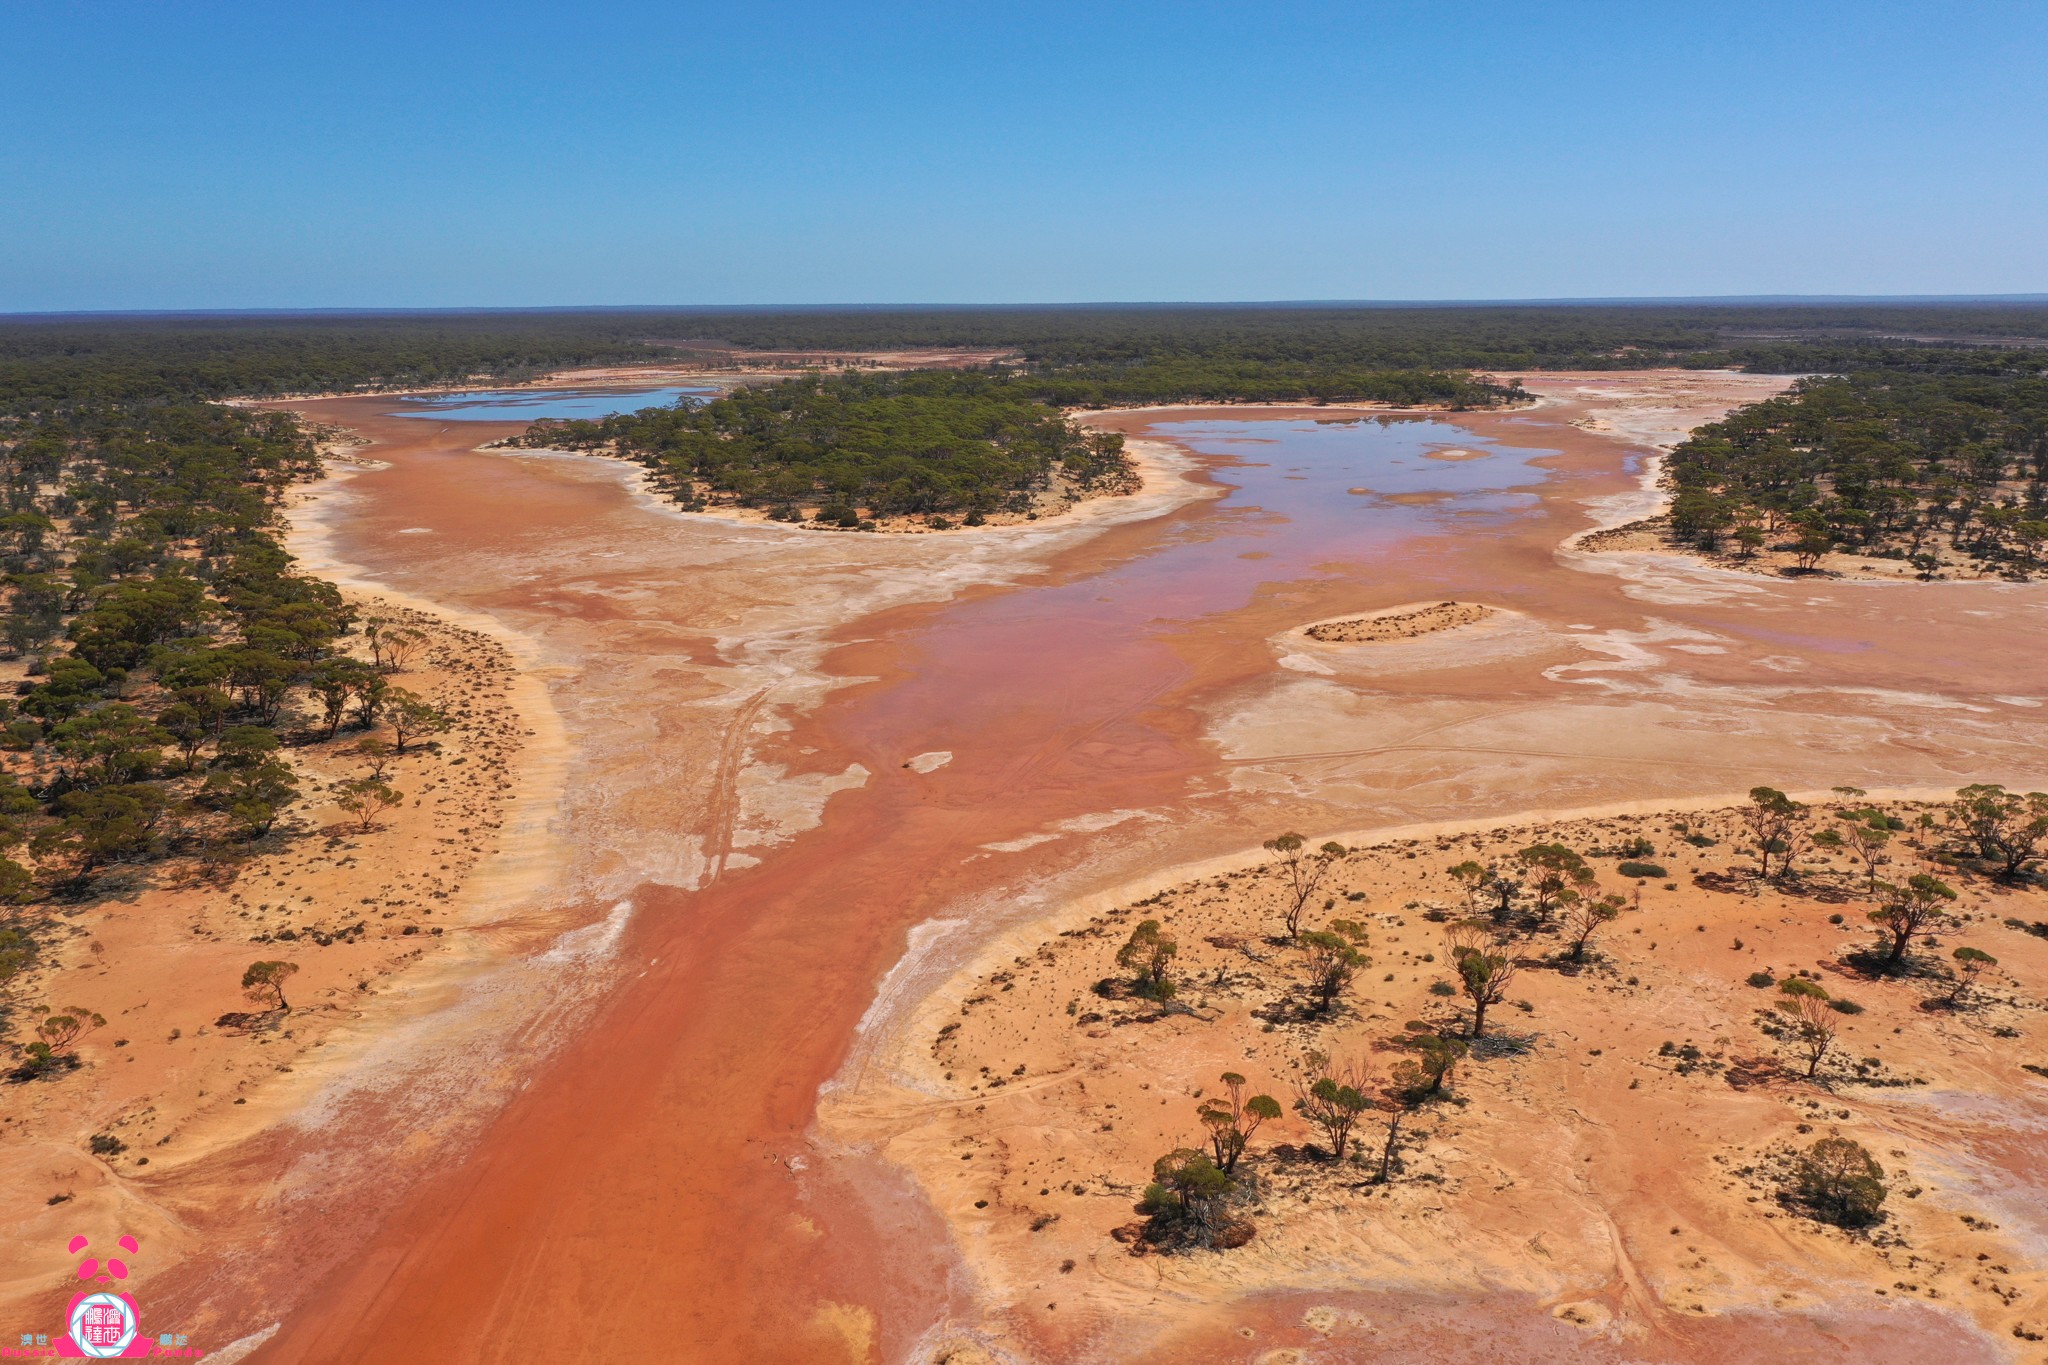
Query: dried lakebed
745 710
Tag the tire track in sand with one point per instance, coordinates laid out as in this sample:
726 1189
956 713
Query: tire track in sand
722 803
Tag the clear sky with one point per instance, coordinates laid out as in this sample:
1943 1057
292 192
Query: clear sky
179 153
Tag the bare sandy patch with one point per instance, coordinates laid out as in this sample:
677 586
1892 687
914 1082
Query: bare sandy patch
1652 408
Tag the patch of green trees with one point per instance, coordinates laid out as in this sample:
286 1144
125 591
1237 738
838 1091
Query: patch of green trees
59 364
1897 465
1840 1182
918 444
142 576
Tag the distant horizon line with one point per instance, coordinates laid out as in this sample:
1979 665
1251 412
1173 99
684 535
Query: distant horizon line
1616 301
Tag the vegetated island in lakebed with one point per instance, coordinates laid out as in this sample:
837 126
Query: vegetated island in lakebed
918 451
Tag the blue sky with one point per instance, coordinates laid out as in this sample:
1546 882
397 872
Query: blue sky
181 154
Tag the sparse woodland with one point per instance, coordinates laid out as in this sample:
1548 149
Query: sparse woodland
1384 1000
177 684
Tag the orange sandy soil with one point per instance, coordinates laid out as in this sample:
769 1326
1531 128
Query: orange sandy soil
803 779
673 647
159 952
1585 1167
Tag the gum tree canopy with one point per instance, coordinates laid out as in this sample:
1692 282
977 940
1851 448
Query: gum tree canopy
895 445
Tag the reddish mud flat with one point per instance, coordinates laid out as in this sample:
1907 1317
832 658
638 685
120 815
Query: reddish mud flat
1481 1329
1116 695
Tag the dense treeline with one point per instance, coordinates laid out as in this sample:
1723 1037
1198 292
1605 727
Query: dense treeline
1780 338
54 363
1203 380
1140 353
164 636
1822 355
1889 464
924 443
164 649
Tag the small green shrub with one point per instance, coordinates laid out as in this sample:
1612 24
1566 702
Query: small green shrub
1157 1200
1641 871
1762 980
1841 1182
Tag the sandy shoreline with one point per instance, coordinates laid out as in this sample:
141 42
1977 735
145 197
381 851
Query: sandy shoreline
384 924
1633 524
891 1030
474 836
542 763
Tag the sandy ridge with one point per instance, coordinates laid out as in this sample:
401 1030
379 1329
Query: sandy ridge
1403 622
